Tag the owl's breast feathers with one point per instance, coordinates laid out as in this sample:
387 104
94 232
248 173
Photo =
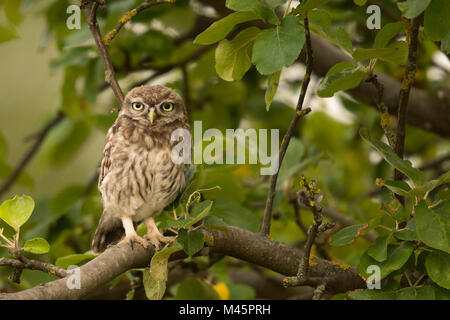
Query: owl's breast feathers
137 176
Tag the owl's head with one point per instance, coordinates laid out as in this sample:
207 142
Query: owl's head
155 106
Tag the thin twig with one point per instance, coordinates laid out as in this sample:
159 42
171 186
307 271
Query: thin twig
186 88
40 137
318 292
265 228
25 263
435 164
127 17
163 70
408 79
110 76
308 198
298 218
385 117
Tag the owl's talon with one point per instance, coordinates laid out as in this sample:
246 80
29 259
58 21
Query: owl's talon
156 239
135 238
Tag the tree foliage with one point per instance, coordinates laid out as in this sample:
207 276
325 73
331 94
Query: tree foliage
240 64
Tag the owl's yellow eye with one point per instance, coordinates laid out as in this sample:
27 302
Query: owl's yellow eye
137 106
167 106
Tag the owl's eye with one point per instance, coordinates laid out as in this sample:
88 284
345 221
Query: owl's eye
137 106
167 106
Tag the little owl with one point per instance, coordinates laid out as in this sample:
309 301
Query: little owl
137 176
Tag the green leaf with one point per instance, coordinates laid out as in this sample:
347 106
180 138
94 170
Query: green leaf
272 85
278 47
70 142
294 162
94 78
412 8
308 5
24 178
7 33
397 53
320 23
388 32
37 246
443 179
422 293
438 268
232 57
73 259
155 277
196 289
397 256
417 177
66 198
12 11
199 212
443 194
436 21
342 76
371 294
17 211
191 241
398 187
359 2
219 29
409 232
235 214
445 43
432 227
262 8
395 210
130 295
348 235
78 56
378 250
3 147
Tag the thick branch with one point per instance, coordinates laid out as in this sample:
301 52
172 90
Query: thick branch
239 243
429 110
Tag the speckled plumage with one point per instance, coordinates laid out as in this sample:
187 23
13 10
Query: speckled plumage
137 177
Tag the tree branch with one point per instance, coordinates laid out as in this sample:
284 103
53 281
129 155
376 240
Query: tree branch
236 242
127 17
40 137
25 263
408 79
428 109
265 228
308 198
110 76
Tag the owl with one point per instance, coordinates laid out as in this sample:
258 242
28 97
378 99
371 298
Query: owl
138 178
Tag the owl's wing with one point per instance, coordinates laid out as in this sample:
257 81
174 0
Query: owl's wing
104 167
106 161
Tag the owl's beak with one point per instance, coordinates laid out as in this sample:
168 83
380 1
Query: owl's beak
152 115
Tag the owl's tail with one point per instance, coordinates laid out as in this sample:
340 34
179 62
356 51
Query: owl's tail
107 233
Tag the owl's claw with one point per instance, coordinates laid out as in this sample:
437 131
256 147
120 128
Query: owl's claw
157 238
137 239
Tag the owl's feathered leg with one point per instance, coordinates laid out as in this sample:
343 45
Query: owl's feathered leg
154 235
130 234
